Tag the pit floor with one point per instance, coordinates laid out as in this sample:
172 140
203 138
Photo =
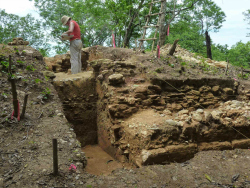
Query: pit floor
99 162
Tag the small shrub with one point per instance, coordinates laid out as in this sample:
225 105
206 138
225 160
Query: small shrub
20 62
244 76
38 80
5 64
4 95
46 93
46 78
183 63
30 68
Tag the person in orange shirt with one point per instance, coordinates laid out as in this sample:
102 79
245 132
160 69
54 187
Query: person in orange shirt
75 43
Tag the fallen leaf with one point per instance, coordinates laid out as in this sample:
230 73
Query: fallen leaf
208 178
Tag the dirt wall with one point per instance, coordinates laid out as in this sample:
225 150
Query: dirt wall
78 95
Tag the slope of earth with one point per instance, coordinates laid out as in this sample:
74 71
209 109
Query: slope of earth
26 157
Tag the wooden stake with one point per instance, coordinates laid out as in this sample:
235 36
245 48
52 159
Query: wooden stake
14 94
55 157
172 49
24 105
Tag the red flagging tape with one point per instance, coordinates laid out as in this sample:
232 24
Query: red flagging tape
113 39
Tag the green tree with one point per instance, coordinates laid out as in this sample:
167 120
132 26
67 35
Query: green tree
239 54
27 27
8 26
220 52
210 18
91 15
247 18
171 11
126 18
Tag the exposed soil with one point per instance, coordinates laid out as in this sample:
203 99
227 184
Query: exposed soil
207 169
99 162
26 145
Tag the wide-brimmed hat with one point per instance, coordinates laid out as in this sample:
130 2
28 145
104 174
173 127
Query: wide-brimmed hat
65 19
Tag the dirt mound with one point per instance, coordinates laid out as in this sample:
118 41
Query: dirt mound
26 145
18 41
61 63
188 56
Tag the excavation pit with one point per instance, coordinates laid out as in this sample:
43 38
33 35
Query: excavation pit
146 119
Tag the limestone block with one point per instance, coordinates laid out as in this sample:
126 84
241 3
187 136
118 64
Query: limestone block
167 112
205 89
116 79
26 42
244 144
196 117
182 112
205 146
194 92
228 91
100 77
168 154
184 117
176 107
215 89
140 95
130 100
171 122
141 89
49 74
147 102
200 111
216 114
155 88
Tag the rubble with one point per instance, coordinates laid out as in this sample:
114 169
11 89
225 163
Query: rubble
18 41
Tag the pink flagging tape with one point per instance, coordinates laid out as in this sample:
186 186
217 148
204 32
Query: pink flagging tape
168 31
113 40
18 112
72 167
158 48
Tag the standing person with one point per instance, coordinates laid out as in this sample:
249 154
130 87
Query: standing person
75 44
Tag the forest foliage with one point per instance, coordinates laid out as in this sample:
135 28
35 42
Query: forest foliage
188 21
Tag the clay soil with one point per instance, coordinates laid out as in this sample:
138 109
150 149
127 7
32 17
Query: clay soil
26 148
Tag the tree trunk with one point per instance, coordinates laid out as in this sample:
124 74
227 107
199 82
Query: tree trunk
129 30
172 49
162 28
208 44
24 105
